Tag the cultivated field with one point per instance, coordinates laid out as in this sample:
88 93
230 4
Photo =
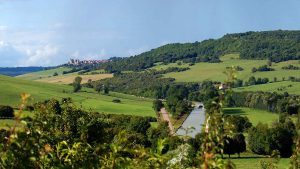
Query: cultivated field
214 71
69 78
11 88
47 76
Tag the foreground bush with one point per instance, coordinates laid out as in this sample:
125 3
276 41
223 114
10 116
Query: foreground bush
6 112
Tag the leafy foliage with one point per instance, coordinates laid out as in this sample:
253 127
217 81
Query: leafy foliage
264 140
267 101
77 84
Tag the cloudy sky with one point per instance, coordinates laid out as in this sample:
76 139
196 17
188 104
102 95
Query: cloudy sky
50 32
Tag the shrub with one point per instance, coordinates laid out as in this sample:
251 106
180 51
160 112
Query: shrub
157 105
6 112
116 100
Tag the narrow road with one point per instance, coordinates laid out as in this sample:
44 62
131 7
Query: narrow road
165 116
196 119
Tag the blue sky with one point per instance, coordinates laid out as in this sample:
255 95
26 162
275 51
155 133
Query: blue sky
49 32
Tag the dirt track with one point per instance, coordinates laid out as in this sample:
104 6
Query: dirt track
165 116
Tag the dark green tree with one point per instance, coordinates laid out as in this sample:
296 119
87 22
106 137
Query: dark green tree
77 84
229 146
258 139
157 105
6 112
240 143
105 89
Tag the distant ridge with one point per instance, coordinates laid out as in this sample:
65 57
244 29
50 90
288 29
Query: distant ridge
15 71
277 46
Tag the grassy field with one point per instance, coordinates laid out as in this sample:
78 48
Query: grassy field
249 160
161 66
214 71
279 87
43 74
47 76
255 116
11 88
69 78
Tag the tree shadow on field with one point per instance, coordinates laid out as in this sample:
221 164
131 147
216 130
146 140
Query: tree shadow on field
243 157
234 111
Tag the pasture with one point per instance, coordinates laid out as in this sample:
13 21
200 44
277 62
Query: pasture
11 88
279 87
47 76
255 116
43 74
214 71
249 160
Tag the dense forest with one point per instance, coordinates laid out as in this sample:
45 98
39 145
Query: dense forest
273 45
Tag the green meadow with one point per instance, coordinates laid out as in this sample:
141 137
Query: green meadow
249 160
214 71
255 116
43 74
11 88
279 87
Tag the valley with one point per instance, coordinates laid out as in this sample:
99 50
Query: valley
249 97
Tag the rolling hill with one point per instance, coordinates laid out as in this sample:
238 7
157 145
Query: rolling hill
48 76
276 46
214 71
11 88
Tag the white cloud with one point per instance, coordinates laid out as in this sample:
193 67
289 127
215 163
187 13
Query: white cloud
45 55
9 54
3 28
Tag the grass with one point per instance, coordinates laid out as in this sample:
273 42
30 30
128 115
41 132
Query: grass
95 71
43 74
161 66
279 87
252 161
11 88
69 78
178 122
47 76
255 116
249 160
214 71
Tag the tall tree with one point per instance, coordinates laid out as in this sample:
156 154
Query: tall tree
77 84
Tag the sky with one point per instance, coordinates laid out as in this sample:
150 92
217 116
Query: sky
50 32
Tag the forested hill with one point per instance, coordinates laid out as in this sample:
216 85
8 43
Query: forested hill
274 45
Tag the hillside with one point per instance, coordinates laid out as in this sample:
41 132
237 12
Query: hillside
61 78
279 87
270 45
11 88
15 71
214 71
43 74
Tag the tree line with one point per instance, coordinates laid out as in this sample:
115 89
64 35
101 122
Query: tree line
272 102
275 46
